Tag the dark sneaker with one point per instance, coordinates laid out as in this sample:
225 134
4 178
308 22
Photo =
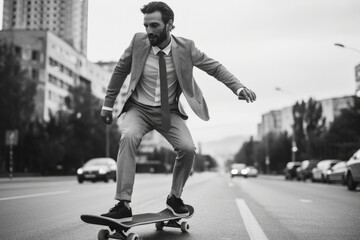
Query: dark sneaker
120 212
177 206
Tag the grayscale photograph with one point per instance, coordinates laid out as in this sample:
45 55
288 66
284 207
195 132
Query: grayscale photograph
181 120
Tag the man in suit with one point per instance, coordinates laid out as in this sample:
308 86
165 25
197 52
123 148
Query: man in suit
161 67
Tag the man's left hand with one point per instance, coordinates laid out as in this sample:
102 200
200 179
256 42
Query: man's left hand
248 95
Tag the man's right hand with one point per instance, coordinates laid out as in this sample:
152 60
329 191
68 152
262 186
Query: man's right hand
106 116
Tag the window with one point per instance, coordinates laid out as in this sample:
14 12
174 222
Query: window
18 51
34 73
49 94
35 55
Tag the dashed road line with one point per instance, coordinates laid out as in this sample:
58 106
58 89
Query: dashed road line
34 195
305 200
252 226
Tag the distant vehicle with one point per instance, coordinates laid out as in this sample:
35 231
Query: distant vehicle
96 169
353 173
338 173
236 169
304 171
322 170
249 172
290 170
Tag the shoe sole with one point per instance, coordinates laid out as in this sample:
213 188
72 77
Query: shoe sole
177 214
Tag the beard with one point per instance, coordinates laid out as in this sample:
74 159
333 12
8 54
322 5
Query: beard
156 39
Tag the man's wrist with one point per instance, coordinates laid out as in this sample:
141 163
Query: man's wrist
107 108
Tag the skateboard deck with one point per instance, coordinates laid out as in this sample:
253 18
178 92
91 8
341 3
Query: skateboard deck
164 218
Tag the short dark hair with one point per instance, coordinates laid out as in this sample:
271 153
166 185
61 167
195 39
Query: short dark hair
166 12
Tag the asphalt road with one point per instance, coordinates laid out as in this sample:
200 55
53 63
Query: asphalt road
225 209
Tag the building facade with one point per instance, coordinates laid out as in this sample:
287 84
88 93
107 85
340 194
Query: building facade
67 19
279 121
57 67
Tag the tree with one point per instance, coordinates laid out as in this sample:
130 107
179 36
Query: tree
87 138
315 128
343 136
298 114
17 91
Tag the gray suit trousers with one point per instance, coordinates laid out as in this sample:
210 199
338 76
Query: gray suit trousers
139 120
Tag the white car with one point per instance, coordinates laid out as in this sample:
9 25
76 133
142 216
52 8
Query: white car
249 172
323 169
338 173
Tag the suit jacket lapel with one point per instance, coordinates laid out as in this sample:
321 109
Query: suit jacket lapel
176 59
141 52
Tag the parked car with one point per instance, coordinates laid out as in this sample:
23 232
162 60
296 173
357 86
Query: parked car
236 169
322 170
290 170
304 171
338 173
97 169
353 173
249 172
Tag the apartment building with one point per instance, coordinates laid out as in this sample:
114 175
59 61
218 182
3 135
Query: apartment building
68 19
57 66
278 121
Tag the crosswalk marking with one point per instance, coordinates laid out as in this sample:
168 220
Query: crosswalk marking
252 226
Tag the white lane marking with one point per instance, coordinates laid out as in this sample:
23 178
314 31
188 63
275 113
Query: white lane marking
33 195
305 200
231 184
252 226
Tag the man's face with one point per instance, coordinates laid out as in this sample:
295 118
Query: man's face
155 28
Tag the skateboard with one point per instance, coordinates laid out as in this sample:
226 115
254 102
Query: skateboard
162 219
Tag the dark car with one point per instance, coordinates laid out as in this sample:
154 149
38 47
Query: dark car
353 173
304 171
236 169
290 170
322 170
338 173
97 169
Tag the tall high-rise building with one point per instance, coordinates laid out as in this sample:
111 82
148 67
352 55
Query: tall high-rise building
65 18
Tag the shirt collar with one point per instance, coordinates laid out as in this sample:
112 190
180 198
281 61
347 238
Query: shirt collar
166 50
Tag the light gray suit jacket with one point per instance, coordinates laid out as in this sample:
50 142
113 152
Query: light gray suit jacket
185 56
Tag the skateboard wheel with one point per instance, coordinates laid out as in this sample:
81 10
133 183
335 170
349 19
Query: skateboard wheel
132 236
103 234
185 227
159 225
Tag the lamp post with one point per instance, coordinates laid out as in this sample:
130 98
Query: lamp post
294 148
107 140
347 47
357 69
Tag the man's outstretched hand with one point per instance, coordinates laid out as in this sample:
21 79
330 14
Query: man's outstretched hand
106 116
248 95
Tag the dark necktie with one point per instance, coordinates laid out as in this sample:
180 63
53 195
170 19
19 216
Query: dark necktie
165 113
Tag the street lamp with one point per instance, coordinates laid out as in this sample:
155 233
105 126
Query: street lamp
294 147
357 91
347 47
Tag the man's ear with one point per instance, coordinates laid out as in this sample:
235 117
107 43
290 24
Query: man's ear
170 25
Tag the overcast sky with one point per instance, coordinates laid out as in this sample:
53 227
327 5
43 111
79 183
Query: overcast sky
264 43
